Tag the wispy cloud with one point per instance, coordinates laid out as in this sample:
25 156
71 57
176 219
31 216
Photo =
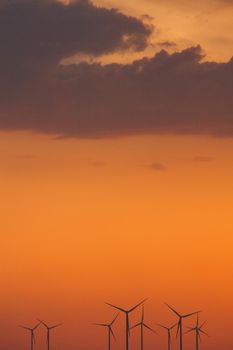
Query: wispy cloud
203 159
166 44
156 166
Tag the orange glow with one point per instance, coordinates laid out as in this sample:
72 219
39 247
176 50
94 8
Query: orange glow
84 222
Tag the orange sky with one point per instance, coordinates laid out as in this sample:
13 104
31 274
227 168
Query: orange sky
84 222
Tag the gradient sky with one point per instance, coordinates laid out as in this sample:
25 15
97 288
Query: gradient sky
116 174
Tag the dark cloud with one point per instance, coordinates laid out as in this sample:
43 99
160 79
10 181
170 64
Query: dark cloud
46 29
166 44
36 35
168 93
203 159
158 167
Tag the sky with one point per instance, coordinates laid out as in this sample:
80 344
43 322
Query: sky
116 125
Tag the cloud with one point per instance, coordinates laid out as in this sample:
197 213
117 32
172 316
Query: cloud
166 44
203 159
36 35
167 94
158 167
45 27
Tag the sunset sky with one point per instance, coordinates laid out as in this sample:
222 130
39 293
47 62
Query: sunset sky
116 148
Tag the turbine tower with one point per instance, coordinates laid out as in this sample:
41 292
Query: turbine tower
127 312
49 328
31 330
110 331
142 325
168 329
180 323
197 329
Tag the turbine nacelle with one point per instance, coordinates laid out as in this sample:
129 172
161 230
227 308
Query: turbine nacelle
142 324
167 328
50 327
197 329
108 325
31 330
128 310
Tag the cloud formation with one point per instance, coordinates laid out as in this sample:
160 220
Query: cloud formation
36 35
168 93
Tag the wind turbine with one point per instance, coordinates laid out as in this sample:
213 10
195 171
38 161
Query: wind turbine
127 312
110 331
142 325
180 323
49 328
31 330
168 329
197 329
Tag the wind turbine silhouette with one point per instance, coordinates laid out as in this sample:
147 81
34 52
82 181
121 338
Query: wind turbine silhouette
168 329
110 331
127 312
180 323
142 325
49 328
197 329
31 330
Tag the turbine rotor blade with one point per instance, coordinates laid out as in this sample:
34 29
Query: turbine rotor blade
171 308
134 307
190 330
114 320
43 323
199 337
36 326
56 325
202 324
191 314
151 329
160 325
116 307
173 326
200 330
100 324
27 328
113 335
136 325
